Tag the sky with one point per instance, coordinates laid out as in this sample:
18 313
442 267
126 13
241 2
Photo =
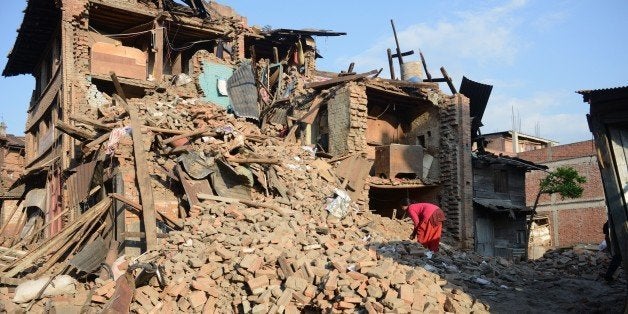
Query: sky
536 53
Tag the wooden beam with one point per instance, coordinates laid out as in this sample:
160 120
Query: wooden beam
404 54
95 143
118 87
142 176
158 50
341 79
399 54
613 190
163 130
427 72
86 120
138 207
67 232
391 66
314 109
448 80
75 132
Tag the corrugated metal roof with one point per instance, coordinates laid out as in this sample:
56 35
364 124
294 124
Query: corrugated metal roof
514 161
243 92
499 205
478 95
588 93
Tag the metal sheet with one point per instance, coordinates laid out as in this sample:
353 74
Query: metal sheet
79 183
243 92
193 187
91 256
195 165
36 198
228 183
478 95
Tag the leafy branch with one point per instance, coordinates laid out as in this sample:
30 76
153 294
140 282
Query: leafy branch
564 180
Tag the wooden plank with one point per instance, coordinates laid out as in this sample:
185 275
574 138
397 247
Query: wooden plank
313 112
158 65
427 72
619 142
285 266
75 132
142 176
138 206
118 87
96 143
20 209
12 251
342 79
11 281
44 247
86 120
162 130
449 82
274 161
391 66
612 189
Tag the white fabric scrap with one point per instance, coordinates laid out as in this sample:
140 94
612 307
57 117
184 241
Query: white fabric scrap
115 136
339 206
222 87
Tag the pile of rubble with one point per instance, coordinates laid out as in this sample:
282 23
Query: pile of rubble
236 258
273 232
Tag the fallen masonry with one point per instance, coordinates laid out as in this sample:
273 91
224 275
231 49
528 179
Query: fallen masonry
179 160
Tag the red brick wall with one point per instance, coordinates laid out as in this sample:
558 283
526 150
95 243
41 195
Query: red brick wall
554 153
580 226
571 223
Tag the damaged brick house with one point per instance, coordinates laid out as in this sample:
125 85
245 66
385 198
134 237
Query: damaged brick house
396 133
11 165
389 138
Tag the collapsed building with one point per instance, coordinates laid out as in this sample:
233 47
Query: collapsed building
147 113
150 43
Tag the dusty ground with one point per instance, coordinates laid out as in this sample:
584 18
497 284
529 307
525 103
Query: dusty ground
555 295
565 281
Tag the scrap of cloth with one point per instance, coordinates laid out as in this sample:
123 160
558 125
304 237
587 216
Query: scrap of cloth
114 138
428 224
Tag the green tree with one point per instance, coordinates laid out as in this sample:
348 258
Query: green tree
565 181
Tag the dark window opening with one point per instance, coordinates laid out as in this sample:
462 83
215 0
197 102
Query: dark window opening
500 181
385 201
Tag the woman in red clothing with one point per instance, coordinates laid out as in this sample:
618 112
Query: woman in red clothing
428 223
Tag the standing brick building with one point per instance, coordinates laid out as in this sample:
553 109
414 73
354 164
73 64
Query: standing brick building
571 221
